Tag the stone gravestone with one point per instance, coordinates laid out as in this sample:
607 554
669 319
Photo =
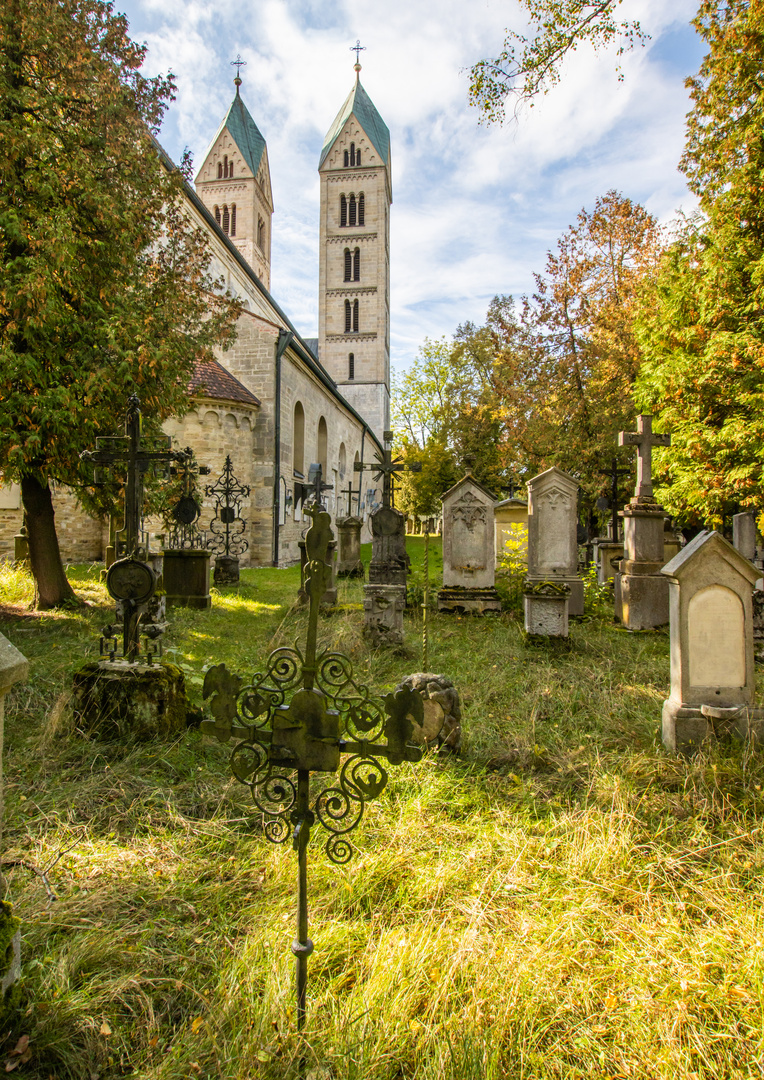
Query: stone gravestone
14 668
545 608
349 540
746 539
442 725
469 549
712 664
553 534
641 591
385 593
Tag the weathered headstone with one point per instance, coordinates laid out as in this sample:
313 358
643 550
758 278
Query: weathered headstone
442 726
469 549
383 607
349 547
14 668
641 591
389 559
553 534
712 662
745 535
608 554
545 608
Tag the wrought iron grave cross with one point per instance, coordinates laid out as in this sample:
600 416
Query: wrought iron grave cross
227 525
304 714
385 467
350 491
644 439
315 481
185 532
614 474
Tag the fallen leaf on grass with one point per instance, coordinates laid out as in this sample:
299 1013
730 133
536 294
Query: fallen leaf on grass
105 1028
20 1054
196 1024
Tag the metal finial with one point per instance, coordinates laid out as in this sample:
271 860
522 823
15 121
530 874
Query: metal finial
238 63
357 49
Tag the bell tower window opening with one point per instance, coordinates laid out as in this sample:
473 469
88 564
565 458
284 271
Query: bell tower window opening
361 202
356 265
233 219
351 365
343 211
217 214
347 159
220 170
355 316
348 265
352 211
261 234
348 316
226 219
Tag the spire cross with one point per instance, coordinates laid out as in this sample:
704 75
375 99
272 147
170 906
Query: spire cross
644 439
238 63
358 48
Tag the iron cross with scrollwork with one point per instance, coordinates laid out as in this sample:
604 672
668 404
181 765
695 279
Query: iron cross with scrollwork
385 467
305 713
227 526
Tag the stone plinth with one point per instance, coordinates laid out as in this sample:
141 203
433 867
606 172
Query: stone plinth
469 549
545 606
349 547
186 576
553 533
330 592
641 594
389 558
712 658
607 552
114 699
442 726
383 608
14 668
226 570
21 547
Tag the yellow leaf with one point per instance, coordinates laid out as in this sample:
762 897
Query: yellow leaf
105 1029
196 1024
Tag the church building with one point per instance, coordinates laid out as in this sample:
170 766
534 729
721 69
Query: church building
277 402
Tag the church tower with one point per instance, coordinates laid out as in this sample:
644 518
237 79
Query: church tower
354 257
234 183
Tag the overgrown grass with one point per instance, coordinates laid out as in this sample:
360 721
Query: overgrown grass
565 901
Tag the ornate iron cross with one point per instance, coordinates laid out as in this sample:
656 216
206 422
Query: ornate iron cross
614 473
385 467
227 525
304 714
185 533
644 439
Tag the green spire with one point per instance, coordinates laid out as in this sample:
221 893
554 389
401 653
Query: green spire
359 104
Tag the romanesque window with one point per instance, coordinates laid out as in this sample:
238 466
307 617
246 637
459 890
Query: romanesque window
343 210
360 209
355 316
217 214
348 316
261 234
357 155
321 453
351 365
233 220
348 265
347 159
226 169
356 265
298 441
220 170
352 211
342 461
226 219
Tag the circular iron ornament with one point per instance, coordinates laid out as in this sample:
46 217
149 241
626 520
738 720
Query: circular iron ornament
130 579
187 510
385 522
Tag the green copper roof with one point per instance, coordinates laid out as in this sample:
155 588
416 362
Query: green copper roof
359 104
244 132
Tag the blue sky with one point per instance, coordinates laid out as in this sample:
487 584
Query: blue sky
475 209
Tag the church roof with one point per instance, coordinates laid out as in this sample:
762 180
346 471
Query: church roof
244 132
359 104
211 380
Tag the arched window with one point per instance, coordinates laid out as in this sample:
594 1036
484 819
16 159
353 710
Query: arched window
358 156
343 461
261 234
230 168
343 210
226 219
220 170
355 316
351 365
298 441
217 214
360 209
321 448
348 316
348 265
233 219
225 166
351 215
352 153
347 159
356 265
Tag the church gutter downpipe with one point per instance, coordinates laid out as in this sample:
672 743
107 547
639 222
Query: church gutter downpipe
360 475
284 340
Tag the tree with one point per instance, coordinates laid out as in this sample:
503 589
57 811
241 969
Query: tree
702 323
529 66
105 284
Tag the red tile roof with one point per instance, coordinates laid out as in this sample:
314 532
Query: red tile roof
211 380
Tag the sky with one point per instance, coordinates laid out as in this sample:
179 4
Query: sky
475 207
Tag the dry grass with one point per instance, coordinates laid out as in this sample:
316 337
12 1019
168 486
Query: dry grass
565 901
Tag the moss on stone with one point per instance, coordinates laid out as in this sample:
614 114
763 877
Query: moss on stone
143 701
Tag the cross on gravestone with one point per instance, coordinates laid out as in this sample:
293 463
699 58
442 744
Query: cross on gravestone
644 439
350 492
315 481
384 469
613 473
128 449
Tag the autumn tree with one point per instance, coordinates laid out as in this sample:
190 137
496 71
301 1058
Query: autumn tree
106 285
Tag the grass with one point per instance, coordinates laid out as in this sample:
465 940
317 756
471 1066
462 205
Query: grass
564 901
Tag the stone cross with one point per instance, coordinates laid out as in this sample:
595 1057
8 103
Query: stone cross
644 439
137 458
385 468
